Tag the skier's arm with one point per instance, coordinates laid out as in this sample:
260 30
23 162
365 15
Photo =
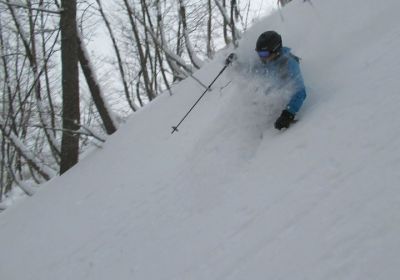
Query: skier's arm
297 99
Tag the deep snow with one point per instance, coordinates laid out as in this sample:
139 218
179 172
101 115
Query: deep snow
228 197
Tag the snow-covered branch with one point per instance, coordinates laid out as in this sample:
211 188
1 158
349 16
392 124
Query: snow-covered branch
234 30
83 131
24 152
20 5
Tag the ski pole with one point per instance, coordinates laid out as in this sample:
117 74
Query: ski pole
175 128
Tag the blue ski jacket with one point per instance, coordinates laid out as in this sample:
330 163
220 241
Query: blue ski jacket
285 70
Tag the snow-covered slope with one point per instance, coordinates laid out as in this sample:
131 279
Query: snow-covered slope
228 197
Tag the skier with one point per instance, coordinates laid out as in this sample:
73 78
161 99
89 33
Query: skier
279 64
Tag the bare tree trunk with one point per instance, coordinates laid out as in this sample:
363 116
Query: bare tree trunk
177 73
233 26
30 51
46 75
2 168
95 90
179 48
225 26
139 98
230 20
119 59
70 85
158 51
150 94
150 59
192 55
210 52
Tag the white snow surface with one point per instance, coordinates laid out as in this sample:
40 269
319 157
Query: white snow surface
228 196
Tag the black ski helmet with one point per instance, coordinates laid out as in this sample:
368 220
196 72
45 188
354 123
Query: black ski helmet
269 41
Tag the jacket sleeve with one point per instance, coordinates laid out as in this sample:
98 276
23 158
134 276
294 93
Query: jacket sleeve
299 94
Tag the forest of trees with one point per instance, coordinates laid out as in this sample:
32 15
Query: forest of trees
55 100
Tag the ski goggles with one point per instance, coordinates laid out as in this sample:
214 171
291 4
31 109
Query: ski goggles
264 54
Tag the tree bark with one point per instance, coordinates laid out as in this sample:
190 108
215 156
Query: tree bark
210 52
225 27
233 26
70 86
95 89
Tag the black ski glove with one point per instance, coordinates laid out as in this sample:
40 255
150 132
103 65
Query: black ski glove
231 58
284 120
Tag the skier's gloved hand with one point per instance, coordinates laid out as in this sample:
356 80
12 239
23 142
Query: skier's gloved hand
285 119
231 57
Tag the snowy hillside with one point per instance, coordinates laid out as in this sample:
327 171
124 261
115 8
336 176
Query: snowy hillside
228 196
